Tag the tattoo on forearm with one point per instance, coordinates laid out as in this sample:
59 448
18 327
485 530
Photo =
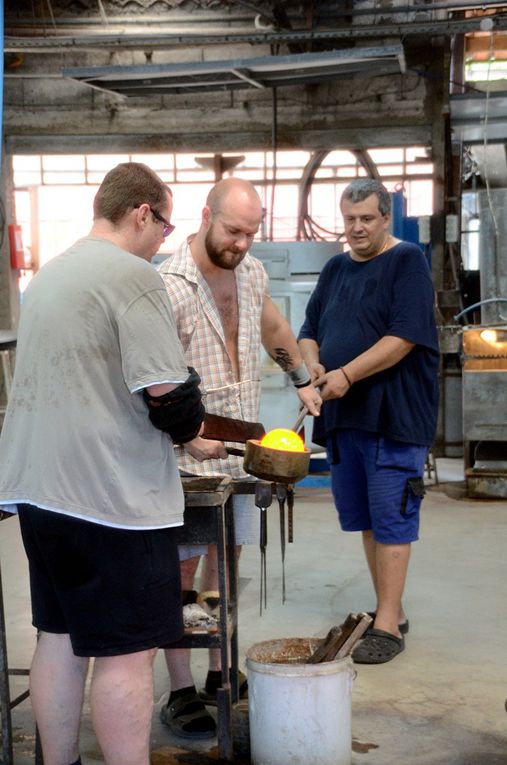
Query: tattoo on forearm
282 358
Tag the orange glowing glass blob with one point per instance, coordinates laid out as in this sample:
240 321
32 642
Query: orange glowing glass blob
283 439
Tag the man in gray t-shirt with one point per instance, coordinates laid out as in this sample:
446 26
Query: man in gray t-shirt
100 393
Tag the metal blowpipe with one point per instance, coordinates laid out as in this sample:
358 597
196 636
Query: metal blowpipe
299 422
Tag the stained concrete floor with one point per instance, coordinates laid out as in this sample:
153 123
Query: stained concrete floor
441 702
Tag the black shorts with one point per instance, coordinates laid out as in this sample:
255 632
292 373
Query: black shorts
114 591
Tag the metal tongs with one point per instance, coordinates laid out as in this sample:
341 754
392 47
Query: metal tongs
285 492
281 495
297 428
263 499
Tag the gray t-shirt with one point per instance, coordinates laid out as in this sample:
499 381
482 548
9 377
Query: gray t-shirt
96 327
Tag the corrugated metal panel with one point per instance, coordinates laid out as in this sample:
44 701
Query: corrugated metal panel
262 72
477 117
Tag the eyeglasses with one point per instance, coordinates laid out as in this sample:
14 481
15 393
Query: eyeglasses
168 227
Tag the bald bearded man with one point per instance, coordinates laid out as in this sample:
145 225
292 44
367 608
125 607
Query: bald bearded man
224 315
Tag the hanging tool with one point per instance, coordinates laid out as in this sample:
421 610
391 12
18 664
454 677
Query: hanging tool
263 499
281 495
290 512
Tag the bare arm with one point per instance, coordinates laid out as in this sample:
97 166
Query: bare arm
310 353
161 388
278 338
279 341
385 353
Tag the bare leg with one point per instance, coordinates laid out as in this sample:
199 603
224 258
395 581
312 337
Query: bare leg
370 550
57 681
121 698
392 565
190 720
209 581
388 566
178 659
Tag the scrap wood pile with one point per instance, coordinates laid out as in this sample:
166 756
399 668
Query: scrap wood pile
340 641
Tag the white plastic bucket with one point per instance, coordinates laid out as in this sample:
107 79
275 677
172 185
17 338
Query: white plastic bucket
300 713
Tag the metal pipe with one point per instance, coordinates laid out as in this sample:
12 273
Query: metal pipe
274 148
192 19
141 20
165 39
476 305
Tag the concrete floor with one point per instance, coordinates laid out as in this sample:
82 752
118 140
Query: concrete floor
441 702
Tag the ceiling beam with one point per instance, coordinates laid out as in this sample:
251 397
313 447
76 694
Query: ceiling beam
165 39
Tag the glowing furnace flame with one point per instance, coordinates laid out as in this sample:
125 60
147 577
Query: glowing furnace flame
284 440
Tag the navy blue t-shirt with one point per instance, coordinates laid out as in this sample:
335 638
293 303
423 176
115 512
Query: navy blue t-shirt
354 305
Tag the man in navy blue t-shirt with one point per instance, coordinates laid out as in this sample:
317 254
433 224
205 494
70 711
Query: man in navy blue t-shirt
370 342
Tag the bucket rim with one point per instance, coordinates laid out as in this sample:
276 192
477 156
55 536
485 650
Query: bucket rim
295 667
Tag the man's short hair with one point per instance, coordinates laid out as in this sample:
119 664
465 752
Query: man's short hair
125 186
362 188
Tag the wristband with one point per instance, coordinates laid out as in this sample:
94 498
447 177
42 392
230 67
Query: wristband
300 376
345 376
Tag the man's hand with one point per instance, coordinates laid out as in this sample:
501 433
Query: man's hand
316 370
333 385
202 449
310 397
310 353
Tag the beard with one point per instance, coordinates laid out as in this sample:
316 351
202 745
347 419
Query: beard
222 257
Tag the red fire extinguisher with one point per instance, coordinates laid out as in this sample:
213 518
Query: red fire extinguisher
16 246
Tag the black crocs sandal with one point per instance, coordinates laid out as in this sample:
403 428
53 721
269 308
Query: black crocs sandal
403 627
378 647
183 713
209 696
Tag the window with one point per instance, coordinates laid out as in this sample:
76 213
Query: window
66 185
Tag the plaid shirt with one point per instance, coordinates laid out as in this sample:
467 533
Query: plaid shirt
201 333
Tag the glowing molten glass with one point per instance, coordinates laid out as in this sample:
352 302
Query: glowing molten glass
283 439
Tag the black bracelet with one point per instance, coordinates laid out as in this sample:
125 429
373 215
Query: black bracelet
345 376
303 384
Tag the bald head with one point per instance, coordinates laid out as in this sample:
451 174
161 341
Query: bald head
233 192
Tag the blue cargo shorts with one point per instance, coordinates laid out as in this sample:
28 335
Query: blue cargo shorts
377 484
